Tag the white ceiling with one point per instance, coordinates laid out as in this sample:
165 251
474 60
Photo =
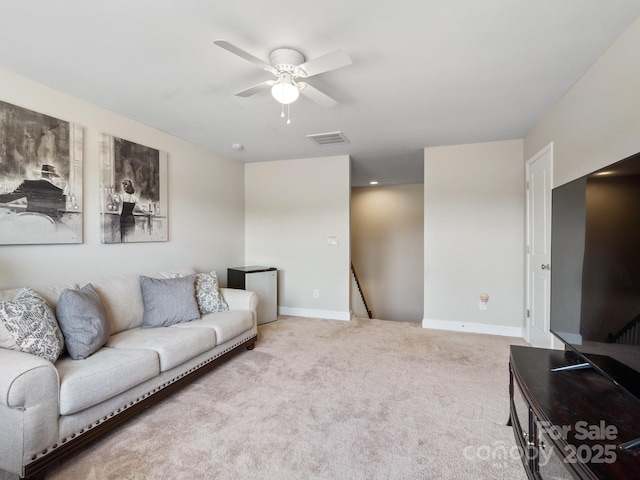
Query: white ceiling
424 72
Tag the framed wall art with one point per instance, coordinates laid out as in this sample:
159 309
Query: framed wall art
40 178
133 192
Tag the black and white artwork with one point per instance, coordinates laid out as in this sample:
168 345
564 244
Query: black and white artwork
40 178
133 192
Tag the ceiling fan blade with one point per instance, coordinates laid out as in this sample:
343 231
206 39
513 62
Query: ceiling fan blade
322 64
316 95
246 55
255 89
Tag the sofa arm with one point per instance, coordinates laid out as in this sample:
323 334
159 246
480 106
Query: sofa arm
28 407
26 380
240 299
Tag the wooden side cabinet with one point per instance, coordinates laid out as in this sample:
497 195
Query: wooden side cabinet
568 425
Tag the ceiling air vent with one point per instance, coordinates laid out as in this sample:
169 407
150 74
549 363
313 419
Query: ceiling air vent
331 138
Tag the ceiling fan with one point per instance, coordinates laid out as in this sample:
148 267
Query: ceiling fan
288 66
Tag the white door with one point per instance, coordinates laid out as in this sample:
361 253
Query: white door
539 177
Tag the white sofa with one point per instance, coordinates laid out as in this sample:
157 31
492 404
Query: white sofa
49 410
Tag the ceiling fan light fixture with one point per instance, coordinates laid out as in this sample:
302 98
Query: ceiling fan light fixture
285 90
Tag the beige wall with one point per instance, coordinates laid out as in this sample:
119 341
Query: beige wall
474 237
387 249
291 208
598 121
206 202
473 204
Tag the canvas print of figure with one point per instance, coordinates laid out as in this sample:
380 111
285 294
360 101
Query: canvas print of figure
133 192
40 178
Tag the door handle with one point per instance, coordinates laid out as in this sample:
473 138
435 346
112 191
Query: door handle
545 266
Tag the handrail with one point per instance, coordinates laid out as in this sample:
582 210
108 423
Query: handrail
628 335
355 275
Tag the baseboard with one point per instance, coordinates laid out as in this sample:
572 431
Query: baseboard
311 313
469 327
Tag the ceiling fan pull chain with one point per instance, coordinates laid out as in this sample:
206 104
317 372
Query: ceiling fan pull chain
288 114
282 113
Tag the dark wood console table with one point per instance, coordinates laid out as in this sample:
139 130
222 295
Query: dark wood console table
568 425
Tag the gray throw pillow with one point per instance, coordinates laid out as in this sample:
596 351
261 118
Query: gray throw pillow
31 325
208 294
83 321
168 301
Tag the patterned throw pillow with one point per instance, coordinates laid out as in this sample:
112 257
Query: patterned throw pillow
208 294
31 323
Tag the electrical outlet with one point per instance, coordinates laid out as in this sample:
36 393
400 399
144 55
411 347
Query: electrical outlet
316 293
484 299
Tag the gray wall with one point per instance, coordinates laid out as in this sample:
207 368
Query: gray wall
206 203
292 208
598 121
474 237
474 197
387 249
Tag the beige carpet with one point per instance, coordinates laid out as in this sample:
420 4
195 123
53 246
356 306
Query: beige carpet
322 399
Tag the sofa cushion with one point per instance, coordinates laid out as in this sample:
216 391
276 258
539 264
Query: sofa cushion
9 294
103 375
208 294
168 301
122 301
29 325
83 321
51 293
227 325
173 346
174 273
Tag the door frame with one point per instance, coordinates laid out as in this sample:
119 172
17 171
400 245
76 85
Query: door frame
528 217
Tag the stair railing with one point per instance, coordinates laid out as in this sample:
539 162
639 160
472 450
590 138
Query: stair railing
364 301
628 335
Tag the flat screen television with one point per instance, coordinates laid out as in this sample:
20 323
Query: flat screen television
595 270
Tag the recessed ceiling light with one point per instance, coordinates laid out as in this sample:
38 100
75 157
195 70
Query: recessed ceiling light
237 146
373 182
